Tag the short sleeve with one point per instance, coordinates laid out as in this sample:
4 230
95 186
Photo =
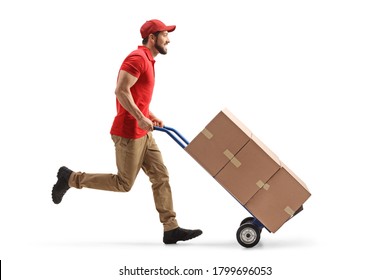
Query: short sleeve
134 64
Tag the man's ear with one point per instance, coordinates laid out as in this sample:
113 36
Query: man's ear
152 37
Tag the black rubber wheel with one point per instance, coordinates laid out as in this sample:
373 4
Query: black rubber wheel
248 235
247 220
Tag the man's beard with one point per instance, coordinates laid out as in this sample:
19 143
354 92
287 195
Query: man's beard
160 48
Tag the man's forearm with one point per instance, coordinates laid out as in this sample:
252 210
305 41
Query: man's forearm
126 100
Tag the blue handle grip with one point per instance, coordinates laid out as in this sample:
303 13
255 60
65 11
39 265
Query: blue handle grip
179 139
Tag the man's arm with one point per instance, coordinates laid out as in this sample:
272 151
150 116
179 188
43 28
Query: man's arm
122 92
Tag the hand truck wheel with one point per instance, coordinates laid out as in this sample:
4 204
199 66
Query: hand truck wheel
248 220
248 235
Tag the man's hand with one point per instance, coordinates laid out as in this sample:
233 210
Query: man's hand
156 121
145 124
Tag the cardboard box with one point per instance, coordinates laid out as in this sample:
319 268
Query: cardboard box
277 203
221 139
249 170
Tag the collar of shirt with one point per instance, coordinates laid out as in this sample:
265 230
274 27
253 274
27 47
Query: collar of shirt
147 52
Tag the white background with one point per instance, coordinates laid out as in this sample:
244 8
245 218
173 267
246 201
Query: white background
309 78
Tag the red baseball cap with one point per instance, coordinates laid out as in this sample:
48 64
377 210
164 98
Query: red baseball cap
154 25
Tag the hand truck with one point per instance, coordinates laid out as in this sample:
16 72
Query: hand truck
249 232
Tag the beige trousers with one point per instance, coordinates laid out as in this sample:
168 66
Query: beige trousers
131 156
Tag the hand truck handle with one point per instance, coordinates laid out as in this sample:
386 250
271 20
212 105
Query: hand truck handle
179 139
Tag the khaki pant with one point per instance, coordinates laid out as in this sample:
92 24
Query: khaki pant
131 156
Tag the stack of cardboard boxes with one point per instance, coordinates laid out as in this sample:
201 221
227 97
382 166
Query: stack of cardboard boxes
248 170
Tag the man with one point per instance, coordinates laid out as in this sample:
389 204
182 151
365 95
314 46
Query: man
131 132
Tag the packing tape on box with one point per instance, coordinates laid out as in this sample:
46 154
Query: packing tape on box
235 162
262 185
207 133
232 159
289 211
228 154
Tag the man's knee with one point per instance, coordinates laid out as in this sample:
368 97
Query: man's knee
159 178
124 184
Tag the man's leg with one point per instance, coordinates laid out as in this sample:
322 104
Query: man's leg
154 167
129 154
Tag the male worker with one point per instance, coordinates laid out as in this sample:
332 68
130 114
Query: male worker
131 132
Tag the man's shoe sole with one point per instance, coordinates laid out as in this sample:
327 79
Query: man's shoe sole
61 187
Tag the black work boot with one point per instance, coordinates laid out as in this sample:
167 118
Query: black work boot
61 187
180 234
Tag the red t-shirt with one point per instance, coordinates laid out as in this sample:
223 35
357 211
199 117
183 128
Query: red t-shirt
140 64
